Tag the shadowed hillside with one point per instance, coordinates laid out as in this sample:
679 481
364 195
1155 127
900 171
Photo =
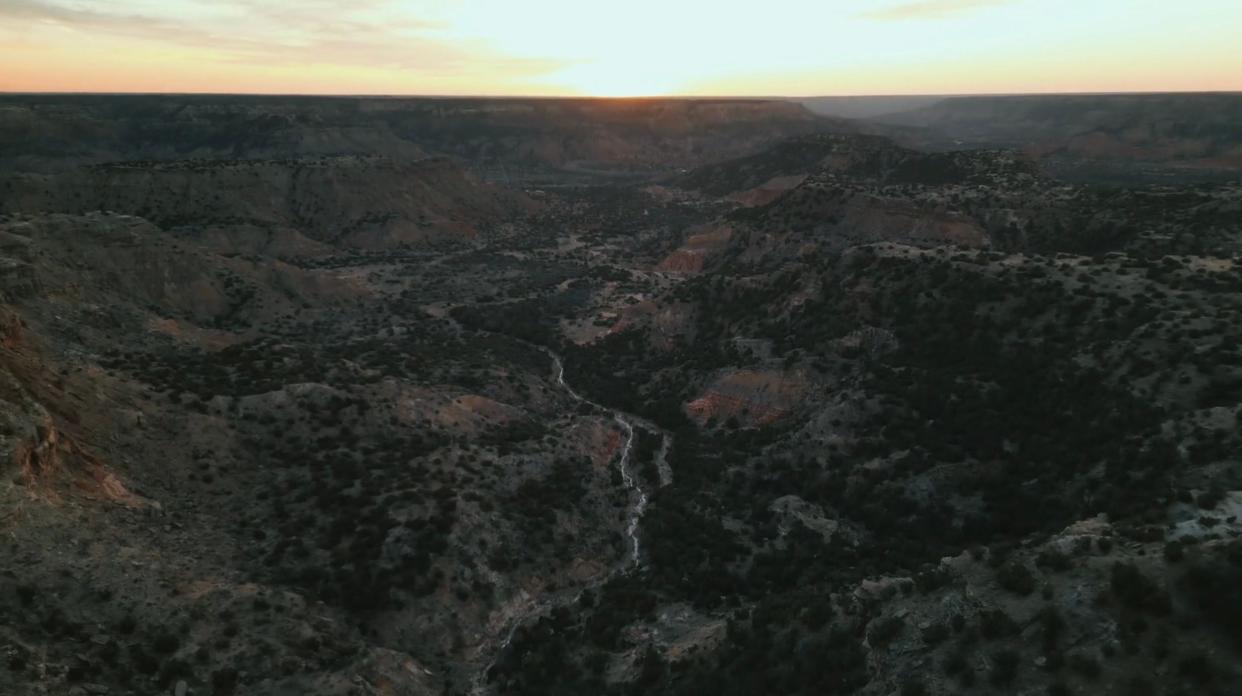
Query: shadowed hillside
1121 138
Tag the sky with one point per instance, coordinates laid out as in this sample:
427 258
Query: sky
620 47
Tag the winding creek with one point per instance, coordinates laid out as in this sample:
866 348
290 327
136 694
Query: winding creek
535 607
627 477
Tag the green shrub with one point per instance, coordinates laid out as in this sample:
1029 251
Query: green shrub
1212 584
954 663
1016 578
1084 665
995 623
883 631
1137 591
1197 668
1051 626
224 681
935 633
1004 667
1054 560
912 686
1059 689
1210 498
26 594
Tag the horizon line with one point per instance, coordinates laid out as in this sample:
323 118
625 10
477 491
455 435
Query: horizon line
550 97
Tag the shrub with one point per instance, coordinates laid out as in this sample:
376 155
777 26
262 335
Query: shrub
126 625
817 613
1054 560
172 670
994 623
1004 667
913 686
1016 578
653 667
1213 586
17 660
1058 689
26 594
224 681
1085 665
1210 498
1136 590
165 642
1196 667
142 662
931 580
1051 625
935 633
957 622
954 663
1139 686
883 631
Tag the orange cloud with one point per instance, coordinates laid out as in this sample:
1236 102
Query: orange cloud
374 34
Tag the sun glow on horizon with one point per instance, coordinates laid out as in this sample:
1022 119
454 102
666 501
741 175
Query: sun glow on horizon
639 48
607 81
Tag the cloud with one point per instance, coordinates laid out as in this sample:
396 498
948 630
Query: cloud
348 33
48 12
930 9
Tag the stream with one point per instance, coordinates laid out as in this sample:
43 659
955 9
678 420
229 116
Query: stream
539 606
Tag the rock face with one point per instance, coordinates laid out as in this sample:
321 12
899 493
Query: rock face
752 398
37 455
769 190
699 248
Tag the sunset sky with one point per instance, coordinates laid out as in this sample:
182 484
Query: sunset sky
604 48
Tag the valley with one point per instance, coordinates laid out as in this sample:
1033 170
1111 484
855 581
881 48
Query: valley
384 396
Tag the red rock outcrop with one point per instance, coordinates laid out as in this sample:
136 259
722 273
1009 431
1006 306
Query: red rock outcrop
698 248
755 398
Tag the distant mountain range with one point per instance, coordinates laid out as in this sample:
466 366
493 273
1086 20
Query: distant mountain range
509 140
1121 138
